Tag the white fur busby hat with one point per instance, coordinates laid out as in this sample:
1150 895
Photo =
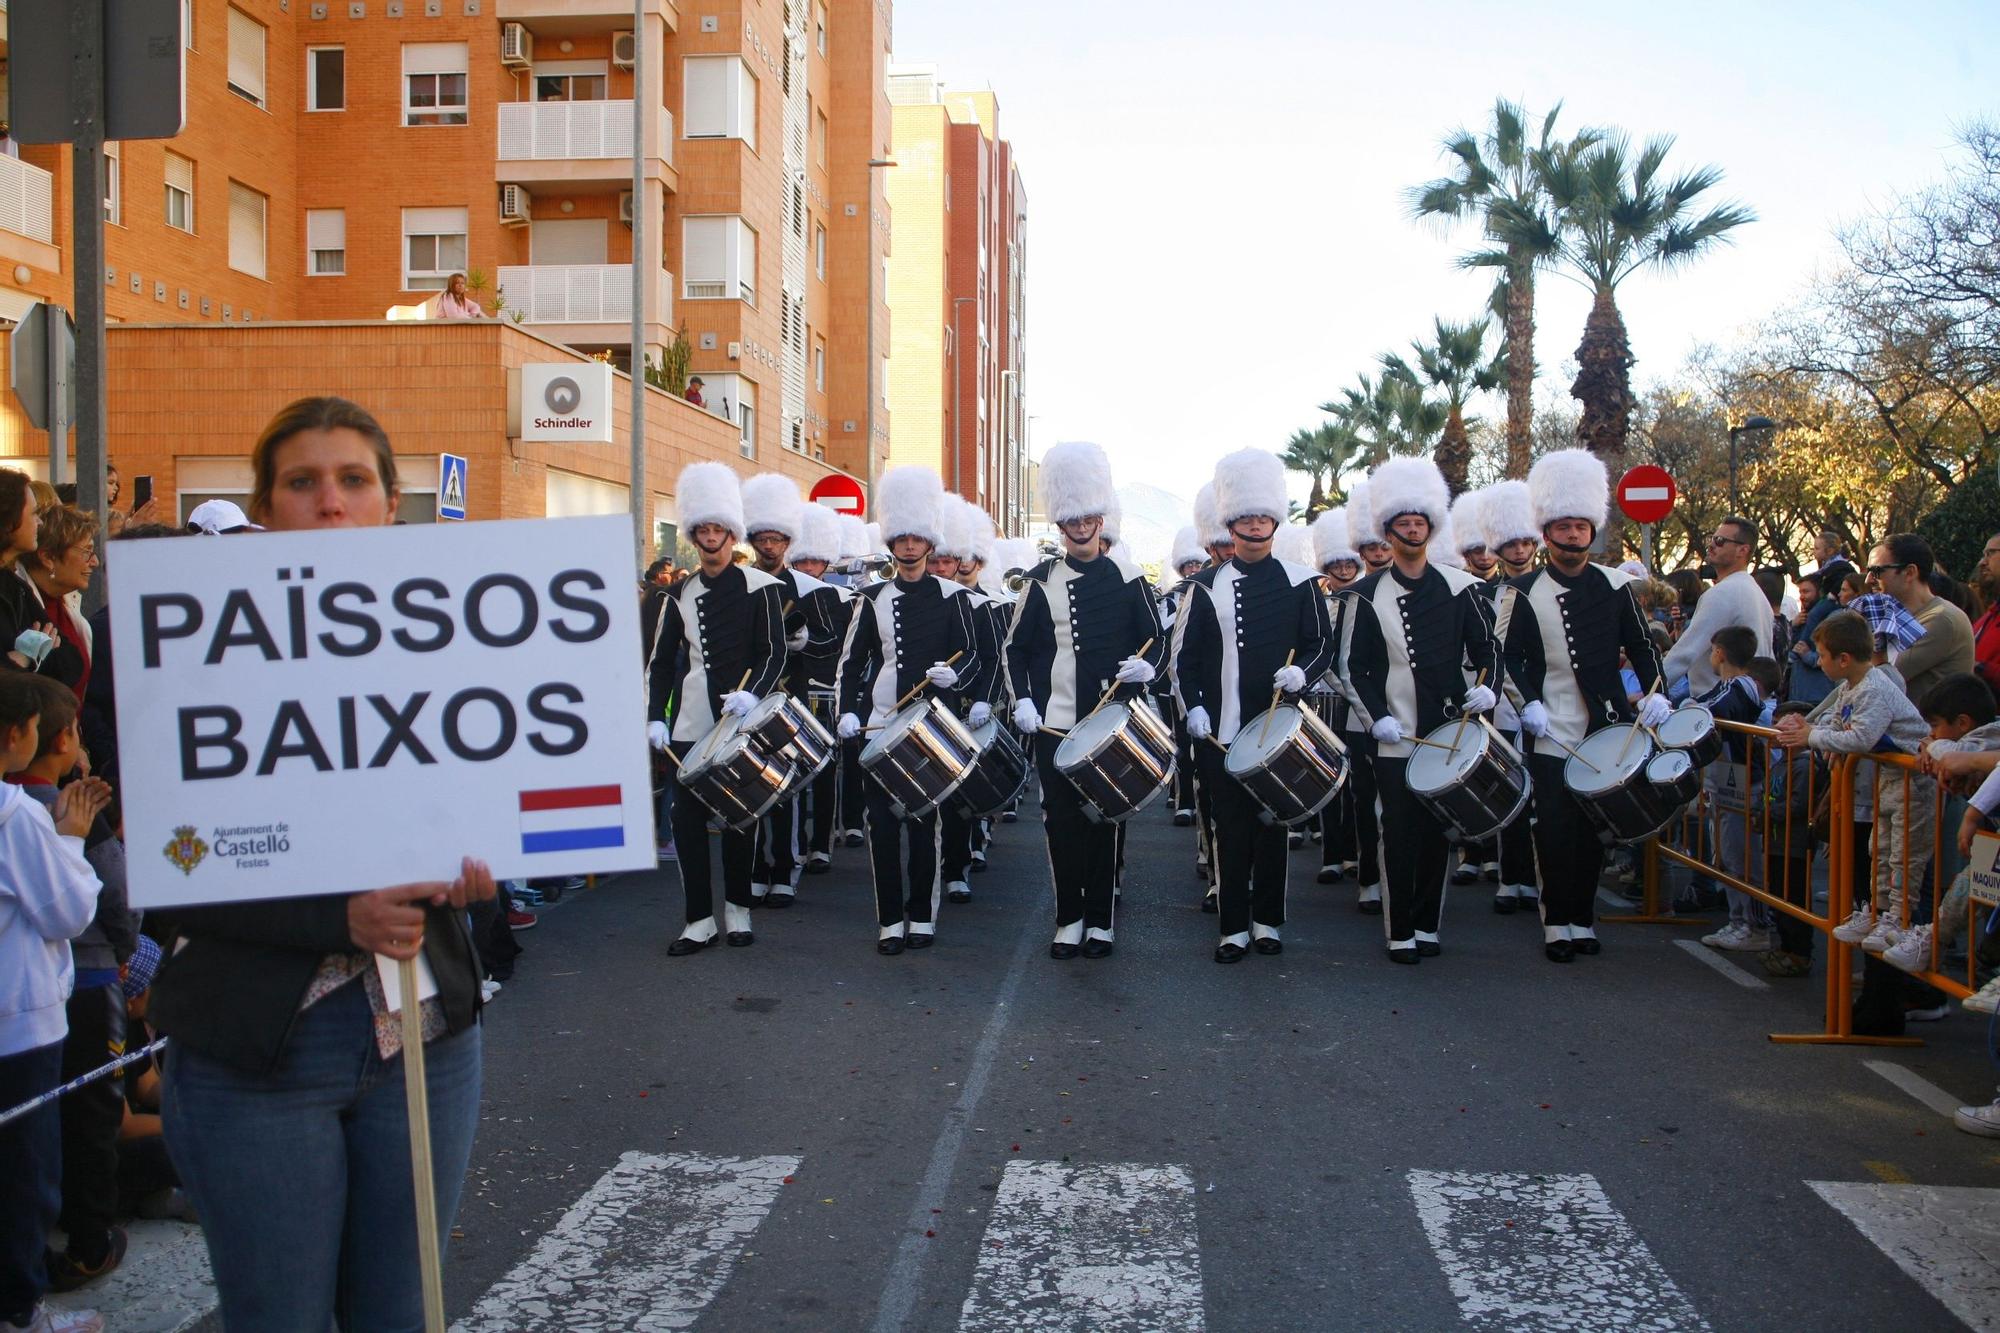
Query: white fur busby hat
1443 547
1206 521
1012 553
909 502
854 541
959 521
1361 529
1293 544
1187 547
708 493
1076 482
1330 539
819 535
1407 486
1569 483
771 503
1250 482
872 534
1506 515
984 534
1114 519
1468 530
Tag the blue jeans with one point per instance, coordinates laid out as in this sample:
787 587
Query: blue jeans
30 1177
302 1176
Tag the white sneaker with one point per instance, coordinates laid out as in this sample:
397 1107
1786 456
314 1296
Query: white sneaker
487 990
1981 1120
1857 927
1745 939
1728 937
1912 952
47 1319
1886 933
1985 1000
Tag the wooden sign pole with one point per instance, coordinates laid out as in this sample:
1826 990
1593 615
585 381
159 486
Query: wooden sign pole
417 1101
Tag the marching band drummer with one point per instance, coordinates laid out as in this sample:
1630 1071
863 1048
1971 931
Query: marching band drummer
956 559
1564 630
1467 533
1339 850
1185 559
1417 627
909 630
812 555
857 546
1368 542
1247 626
1507 520
1079 628
720 646
1363 832
989 604
1215 539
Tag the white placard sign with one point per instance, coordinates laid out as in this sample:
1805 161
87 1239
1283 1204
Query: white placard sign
335 711
1985 868
568 401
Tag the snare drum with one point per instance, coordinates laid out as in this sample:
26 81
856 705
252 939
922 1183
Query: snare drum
784 726
1478 785
919 756
1674 773
1614 792
1692 728
1120 759
731 774
1290 761
998 774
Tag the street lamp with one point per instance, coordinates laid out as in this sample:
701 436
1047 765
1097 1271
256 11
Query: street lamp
957 394
868 256
1750 423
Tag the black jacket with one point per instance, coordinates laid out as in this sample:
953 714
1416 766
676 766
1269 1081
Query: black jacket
1238 624
1075 622
715 636
1412 643
898 630
1563 640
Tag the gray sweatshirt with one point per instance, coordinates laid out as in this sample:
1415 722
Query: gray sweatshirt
1872 717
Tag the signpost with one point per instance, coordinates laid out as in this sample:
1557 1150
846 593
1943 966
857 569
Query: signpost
42 353
840 493
1646 495
451 487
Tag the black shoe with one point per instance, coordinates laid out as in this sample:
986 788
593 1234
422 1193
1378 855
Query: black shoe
818 867
1008 816
1405 956
1183 818
1491 872
739 939
855 837
1097 948
893 945
1200 869
978 866
1328 875
1560 951
1369 908
68 1273
1589 948
1429 948
1504 906
959 896
1062 953
1268 946
1465 874
684 946
774 899
1295 840
917 941
1208 905
1229 953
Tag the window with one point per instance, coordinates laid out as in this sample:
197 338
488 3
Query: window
819 364
720 100
746 415
246 57
571 80
819 250
719 255
819 137
434 83
114 209
246 229
433 247
819 23
326 241
180 192
326 78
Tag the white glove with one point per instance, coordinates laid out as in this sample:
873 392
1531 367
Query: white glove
1290 679
1026 716
981 714
1388 731
941 676
797 642
657 735
849 727
1535 719
1654 709
1134 671
1197 723
1478 699
739 702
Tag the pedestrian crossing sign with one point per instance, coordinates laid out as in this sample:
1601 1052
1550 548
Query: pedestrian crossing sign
451 486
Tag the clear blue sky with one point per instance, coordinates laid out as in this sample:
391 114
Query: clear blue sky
1218 238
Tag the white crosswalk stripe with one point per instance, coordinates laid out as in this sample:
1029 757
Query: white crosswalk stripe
162 1287
646 1248
1946 1237
1106 1247
1544 1252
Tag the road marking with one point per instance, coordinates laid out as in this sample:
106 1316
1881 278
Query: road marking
1107 1247
1709 956
1925 1091
1544 1252
646 1248
163 1286
1944 1236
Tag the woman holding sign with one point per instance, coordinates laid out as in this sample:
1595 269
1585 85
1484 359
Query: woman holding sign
283 1092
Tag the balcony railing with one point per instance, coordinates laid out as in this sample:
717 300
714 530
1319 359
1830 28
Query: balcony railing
578 293
27 200
545 131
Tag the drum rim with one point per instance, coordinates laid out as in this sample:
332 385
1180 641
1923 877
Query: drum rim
1070 738
1612 781
1424 755
1293 728
1686 710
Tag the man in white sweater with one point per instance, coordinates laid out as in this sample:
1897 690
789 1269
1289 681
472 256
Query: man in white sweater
1734 600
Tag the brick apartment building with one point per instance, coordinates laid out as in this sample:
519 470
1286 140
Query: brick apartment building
342 158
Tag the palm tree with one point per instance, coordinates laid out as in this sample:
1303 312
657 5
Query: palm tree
1456 363
1322 453
1497 177
1387 415
1620 214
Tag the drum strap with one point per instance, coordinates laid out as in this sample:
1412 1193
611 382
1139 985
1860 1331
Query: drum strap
1504 605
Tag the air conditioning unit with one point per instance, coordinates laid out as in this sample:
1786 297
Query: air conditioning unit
514 204
624 49
625 207
517 46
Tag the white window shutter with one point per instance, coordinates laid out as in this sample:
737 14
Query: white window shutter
180 173
246 230
434 57
746 104
704 254
434 221
705 109
246 53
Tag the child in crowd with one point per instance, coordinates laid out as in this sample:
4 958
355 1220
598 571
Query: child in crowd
1731 788
1769 676
1868 713
48 894
96 1013
1790 789
1965 739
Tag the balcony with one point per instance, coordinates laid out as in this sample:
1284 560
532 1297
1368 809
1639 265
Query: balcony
27 216
571 18
579 144
584 304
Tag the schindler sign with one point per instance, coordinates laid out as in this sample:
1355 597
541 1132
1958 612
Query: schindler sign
570 401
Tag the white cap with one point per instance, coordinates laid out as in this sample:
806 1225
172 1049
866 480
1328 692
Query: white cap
214 517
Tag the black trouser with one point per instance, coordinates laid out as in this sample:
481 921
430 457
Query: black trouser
1183 793
777 857
1204 814
954 843
739 849
1791 879
1083 854
1250 853
1569 855
144 1169
1416 846
30 1177
90 1119
1517 849
822 800
854 786
1365 829
896 897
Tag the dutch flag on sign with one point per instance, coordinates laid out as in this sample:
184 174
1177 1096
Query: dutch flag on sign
569 819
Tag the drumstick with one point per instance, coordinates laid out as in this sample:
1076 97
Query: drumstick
1435 745
1053 732
1464 718
1276 695
1116 683
918 687
1630 736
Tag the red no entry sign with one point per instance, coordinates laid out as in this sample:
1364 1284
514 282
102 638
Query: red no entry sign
1646 494
838 492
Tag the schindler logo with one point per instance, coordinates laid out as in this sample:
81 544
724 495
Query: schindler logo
563 396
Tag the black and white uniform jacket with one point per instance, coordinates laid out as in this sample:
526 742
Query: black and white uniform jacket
1563 637
816 609
710 632
1411 644
1237 625
899 630
990 618
1074 623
